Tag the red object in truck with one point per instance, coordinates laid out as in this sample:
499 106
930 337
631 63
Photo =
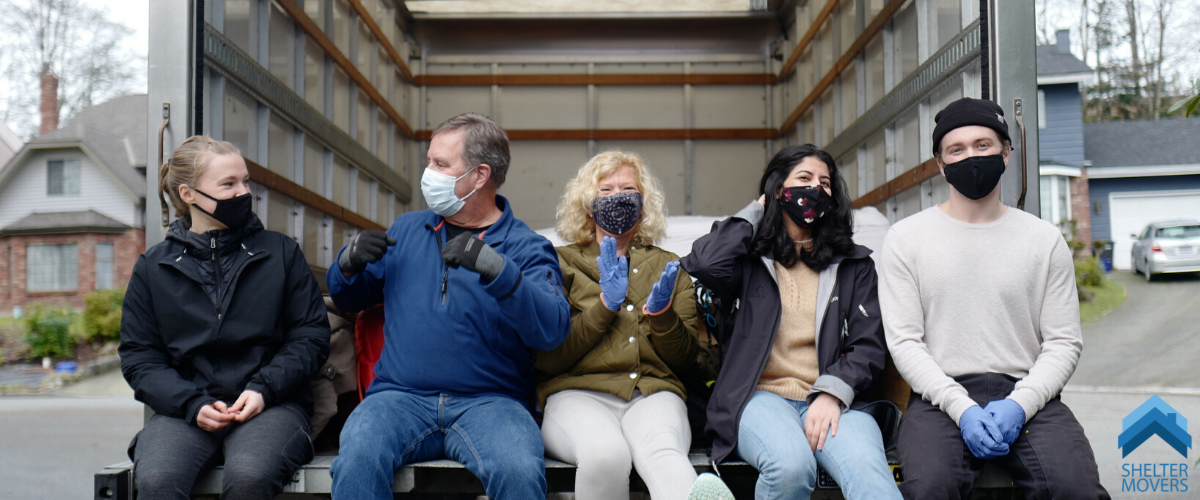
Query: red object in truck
368 344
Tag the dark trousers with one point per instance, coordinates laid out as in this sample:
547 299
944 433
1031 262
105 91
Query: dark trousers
1051 458
260 455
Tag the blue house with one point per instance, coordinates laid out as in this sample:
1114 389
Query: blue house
1142 171
1061 149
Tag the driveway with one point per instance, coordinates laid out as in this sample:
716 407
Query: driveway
1152 340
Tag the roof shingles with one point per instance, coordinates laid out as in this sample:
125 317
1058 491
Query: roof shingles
1134 143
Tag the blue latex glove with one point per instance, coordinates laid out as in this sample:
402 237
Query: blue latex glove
614 274
661 292
981 434
1009 418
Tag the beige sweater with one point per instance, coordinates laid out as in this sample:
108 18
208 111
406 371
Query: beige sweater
792 364
961 298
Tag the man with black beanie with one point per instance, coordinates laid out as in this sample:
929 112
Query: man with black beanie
982 319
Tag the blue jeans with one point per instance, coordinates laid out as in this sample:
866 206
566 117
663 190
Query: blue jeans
494 437
771 438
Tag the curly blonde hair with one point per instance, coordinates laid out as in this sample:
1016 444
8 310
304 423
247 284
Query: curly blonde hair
574 214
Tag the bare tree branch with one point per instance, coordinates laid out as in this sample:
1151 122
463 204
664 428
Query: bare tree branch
71 40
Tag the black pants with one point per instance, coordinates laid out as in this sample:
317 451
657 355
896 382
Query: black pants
1051 458
260 455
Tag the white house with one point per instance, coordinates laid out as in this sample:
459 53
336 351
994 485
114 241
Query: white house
72 207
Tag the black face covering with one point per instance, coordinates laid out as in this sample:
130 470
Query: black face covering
618 213
805 204
976 176
234 212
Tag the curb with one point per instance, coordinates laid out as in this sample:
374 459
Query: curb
55 381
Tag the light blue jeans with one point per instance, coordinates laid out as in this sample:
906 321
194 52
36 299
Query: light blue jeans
494 437
771 438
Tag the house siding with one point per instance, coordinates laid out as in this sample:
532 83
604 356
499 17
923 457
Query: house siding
1099 189
1061 142
25 192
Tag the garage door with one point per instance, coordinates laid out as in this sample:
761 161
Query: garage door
1131 211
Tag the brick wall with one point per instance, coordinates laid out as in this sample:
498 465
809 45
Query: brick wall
127 247
1081 210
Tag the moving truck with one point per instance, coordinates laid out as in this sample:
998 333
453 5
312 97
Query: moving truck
332 103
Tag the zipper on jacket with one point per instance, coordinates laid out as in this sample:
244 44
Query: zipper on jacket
445 268
212 245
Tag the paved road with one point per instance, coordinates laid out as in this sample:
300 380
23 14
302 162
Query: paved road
1152 340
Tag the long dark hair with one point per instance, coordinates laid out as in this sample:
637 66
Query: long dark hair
832 234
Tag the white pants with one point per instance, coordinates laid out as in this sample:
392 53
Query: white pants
603 435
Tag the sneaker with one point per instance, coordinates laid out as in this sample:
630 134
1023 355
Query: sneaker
709 487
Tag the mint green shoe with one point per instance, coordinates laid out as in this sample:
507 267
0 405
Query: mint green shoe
709 487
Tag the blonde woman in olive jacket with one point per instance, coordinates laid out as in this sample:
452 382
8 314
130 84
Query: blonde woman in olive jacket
611 397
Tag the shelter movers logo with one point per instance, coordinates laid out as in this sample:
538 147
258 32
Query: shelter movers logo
1154 417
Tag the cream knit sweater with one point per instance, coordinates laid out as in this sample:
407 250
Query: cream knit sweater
961 298
792 364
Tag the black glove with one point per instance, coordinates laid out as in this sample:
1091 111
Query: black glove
470 252
367 246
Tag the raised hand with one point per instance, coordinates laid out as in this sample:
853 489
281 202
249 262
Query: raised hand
367 246
614 274
468 251
663 290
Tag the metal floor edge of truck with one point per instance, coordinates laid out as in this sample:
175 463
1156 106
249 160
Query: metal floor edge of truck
450 477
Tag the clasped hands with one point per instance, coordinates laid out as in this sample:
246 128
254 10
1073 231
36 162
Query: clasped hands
989 432
217 415
614 280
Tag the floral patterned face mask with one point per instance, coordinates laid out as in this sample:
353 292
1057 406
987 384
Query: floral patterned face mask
618 213
806 204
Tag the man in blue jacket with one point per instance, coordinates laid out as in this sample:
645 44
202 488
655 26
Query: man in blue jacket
467 291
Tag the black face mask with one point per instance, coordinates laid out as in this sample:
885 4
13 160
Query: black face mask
976 176
234 212
618 213
805 204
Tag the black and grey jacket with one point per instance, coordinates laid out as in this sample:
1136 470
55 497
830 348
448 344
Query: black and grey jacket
208 316
851 350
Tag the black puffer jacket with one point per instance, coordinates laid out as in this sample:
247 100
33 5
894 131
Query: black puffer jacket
851 351
196 328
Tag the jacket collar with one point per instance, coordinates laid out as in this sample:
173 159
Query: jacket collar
200 245
495 235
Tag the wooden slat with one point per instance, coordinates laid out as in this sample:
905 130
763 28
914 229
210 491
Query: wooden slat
310 28
807 39
646 79
847 58
286 187
633 134
387 45
915 176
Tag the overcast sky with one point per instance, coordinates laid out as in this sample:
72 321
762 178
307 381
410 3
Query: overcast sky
132 13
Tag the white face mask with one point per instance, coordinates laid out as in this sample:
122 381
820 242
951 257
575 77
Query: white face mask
438 189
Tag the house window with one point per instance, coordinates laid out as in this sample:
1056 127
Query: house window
51 268
1041 111
104 266
62 177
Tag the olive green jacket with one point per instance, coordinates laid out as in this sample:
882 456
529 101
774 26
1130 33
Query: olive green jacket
619 351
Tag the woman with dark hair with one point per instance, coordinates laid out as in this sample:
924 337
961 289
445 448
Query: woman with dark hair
806 341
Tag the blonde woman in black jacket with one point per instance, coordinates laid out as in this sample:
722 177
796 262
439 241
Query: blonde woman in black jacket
222 327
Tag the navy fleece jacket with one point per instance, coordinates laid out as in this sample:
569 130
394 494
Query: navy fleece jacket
445 330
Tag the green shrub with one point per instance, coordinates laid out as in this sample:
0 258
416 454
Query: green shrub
102 315
1088 273
48 332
